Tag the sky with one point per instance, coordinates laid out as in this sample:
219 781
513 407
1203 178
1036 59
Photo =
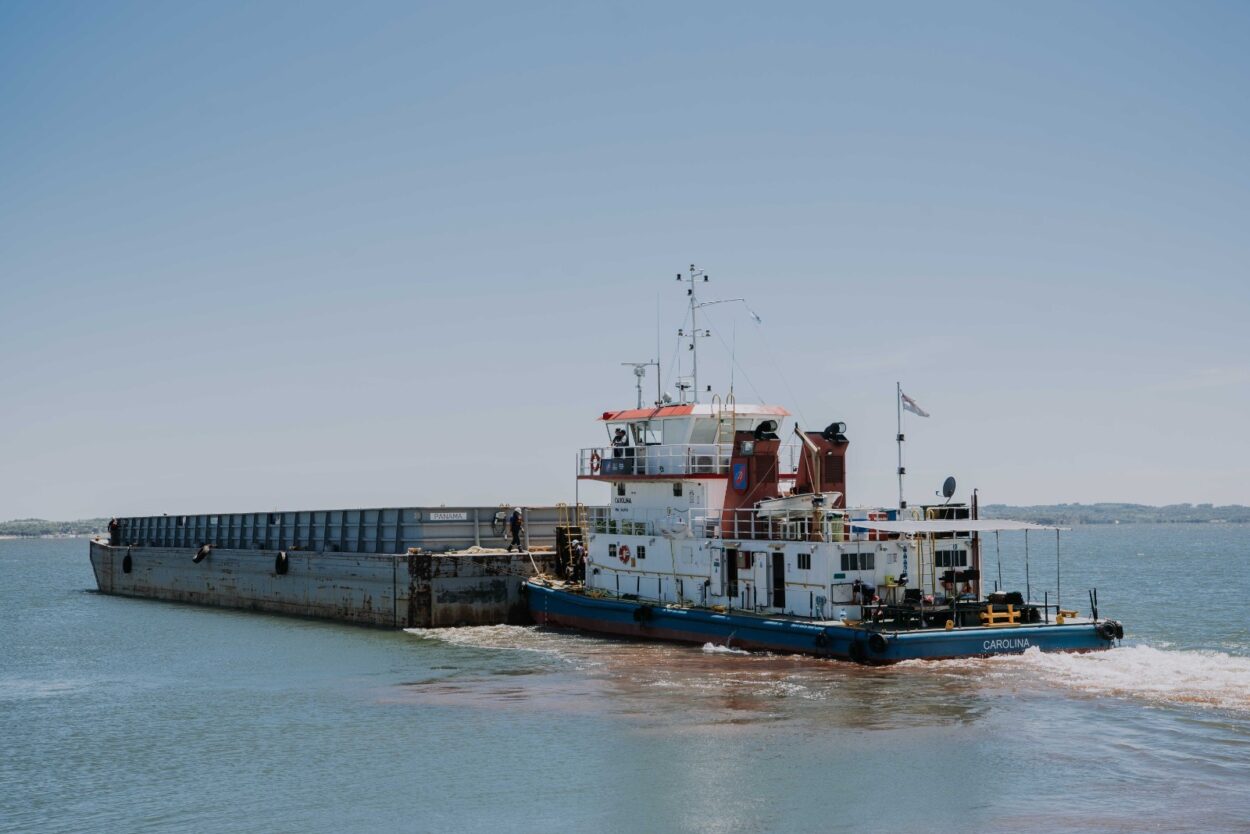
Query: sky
260 256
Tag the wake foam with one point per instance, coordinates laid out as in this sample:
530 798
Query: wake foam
516 638
1203 678
713 648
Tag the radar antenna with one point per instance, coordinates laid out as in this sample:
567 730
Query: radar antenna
640 372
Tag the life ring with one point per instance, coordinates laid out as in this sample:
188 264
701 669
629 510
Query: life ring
202 553
596 460
878 643
1107 630
281 564
622 553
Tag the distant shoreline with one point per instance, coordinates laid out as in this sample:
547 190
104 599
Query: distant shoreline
15 536
1112 513
1058 514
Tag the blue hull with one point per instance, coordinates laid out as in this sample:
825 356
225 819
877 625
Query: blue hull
754 632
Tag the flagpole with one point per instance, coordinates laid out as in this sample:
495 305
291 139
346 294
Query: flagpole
898 407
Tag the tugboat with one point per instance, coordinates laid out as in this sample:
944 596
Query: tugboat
715 535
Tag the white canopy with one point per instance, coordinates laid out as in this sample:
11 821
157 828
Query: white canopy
982 525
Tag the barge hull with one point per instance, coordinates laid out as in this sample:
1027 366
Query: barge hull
382 590
635 619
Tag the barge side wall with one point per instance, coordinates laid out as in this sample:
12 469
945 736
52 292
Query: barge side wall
383 590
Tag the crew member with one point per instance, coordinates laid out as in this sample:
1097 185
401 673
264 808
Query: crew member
579 561
619 441
115 532
515 525
866 590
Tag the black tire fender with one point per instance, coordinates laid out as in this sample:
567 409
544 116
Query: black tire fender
878 643
1106 629
822 640
127 563
858 653
202 553
281 563
642 614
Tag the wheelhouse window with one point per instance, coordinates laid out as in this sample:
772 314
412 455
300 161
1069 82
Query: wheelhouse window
704 431
645 434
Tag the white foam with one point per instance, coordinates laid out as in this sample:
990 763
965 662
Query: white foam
713 648
1203 678
515 638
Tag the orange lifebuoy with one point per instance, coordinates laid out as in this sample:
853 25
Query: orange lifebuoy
595 459
622 553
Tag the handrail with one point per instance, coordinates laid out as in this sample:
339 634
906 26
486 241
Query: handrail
714 523
671 459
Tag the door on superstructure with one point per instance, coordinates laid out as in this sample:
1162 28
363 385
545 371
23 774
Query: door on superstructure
731 573
778 576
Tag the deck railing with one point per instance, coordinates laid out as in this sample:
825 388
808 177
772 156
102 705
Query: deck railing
688 459
705 522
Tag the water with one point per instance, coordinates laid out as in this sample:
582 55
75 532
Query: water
132 715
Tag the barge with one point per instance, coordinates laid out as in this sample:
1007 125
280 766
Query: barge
407 567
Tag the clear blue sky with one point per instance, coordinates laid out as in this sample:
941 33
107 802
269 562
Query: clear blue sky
256 255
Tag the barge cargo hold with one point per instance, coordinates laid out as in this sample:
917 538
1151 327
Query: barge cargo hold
417 567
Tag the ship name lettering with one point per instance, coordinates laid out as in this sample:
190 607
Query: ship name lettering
1000 645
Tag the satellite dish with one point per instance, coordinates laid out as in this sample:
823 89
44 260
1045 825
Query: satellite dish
948 487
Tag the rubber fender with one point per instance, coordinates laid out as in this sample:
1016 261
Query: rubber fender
1106 629
202 553
1119 630
642 614
281 564
822 640
878 643
127 564
858 653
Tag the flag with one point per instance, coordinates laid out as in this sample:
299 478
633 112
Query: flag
910 405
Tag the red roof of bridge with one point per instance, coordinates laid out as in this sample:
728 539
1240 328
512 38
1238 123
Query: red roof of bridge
691 408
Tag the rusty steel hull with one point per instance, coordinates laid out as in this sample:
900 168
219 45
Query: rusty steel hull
381 590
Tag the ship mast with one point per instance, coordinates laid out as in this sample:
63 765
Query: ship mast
692 279
695 334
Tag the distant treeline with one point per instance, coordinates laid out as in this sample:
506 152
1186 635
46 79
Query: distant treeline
43 527
1067 514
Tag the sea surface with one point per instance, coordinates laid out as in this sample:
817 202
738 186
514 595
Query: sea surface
131 715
